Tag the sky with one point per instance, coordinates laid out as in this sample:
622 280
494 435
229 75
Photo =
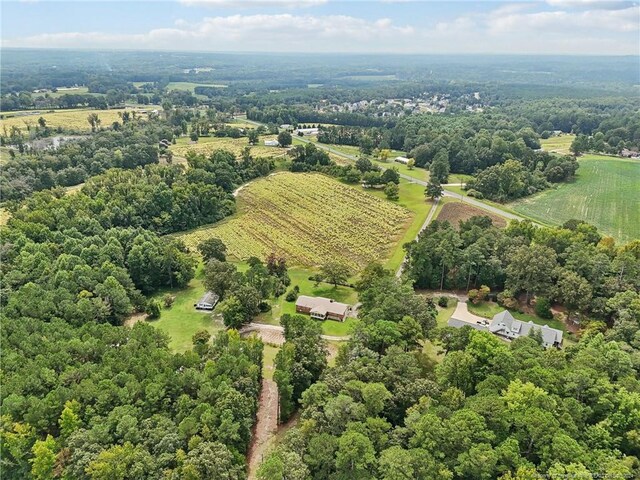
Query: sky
567 27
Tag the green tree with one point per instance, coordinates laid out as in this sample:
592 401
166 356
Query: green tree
253 136
355 457
439 169
284 139
69 420
530 269
392 191
44 458
573 291
335 273
213 248
434 190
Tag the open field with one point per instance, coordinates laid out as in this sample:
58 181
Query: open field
182 320
412 198
190 86
207 145
605 194
455 212
72 119
311 219
559 144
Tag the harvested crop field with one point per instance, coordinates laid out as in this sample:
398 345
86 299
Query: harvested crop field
311 219
206 145
71 119
455 212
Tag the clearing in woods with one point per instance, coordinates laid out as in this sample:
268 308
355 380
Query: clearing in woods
311 219
206 145
455 212
559 144
69 119
605 193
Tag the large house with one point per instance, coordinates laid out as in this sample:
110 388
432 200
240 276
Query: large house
322 308
504 325
207 302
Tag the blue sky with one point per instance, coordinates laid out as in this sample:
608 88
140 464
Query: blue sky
385 26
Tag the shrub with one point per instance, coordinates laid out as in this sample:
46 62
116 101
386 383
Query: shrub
264 306
475 193
543 308
168 300
443 302
292 296
153 309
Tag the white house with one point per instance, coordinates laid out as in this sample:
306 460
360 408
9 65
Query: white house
402 160
271 143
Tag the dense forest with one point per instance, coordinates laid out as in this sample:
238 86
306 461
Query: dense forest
487 410
87 393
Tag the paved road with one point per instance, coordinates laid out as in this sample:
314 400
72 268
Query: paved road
264 327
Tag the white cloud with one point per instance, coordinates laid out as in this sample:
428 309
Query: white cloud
509 28
255 3
593 4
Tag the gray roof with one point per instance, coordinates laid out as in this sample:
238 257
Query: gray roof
504 324
208 297
454 322
322 305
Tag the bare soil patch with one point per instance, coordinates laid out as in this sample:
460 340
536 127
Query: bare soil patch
455 212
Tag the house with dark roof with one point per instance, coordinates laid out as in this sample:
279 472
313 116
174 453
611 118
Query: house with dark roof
322 308
506 326
207 302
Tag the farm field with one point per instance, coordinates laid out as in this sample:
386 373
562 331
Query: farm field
72 119
206 145
190 86
455 212
310 219
558 144
605 194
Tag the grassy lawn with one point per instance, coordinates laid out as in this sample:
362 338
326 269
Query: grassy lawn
412 198
300 277
268 357
444 314
182 320
605 193
489 309
559 144
338 329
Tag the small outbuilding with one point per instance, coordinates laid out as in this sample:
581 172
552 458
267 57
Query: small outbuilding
402 160
271 143
207 302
